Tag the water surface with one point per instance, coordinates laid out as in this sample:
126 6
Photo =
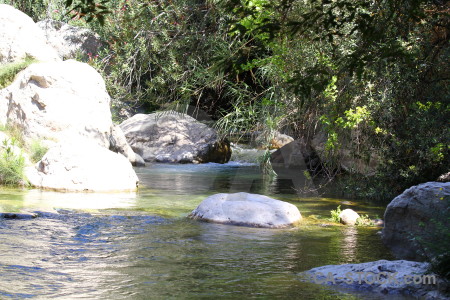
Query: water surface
142 246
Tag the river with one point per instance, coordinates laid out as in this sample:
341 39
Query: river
142 246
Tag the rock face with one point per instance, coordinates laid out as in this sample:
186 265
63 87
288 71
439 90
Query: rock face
174 137
417 212
348 217
247 210
68 40
83 166
381 277
21 37
55 101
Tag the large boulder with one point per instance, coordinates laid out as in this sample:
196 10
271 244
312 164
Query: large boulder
383 277
82 166
174 137
70 41
247 210
416 220
119 144
58 100
21 37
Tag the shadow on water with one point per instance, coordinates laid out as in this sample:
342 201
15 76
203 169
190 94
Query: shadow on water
141 246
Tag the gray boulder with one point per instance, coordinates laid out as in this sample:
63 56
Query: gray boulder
82 166
414 218
119 144
69 40
174 137
21 37
383 277
247 210
348 217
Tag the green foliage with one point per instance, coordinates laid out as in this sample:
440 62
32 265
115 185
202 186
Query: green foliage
40 9
335 215
364 220
88 9
9 71
15 134
37 150
11 165
372 76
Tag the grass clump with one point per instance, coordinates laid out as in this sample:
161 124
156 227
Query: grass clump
364 220
12 165
9 71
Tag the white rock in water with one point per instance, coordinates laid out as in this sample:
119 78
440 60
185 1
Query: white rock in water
247 210
348 217
83 166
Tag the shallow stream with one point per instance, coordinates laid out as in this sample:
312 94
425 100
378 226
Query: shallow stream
142 246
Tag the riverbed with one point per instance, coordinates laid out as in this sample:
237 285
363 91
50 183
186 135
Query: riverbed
142 246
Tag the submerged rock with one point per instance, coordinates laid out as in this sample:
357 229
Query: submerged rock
247 210
174 137
21 37
348 217
417 215
83 166
382 277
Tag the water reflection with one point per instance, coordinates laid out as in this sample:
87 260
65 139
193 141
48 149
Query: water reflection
349 244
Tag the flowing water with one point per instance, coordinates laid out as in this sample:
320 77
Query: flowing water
142 246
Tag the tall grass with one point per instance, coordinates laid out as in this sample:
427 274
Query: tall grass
12 165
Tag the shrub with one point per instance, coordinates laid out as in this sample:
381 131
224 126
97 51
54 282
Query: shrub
335 215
